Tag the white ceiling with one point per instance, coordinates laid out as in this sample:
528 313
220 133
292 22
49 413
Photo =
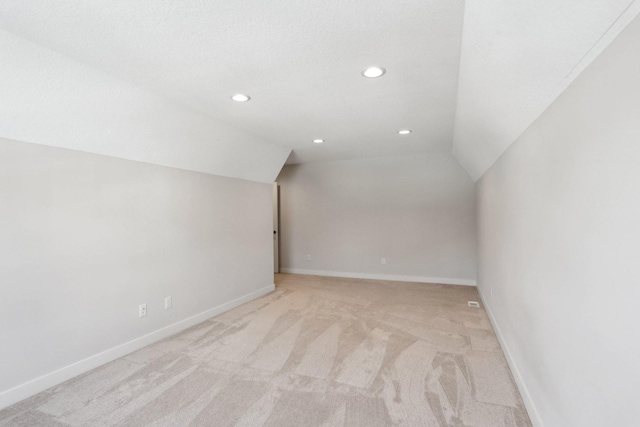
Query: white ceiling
49 99
517 57
301 62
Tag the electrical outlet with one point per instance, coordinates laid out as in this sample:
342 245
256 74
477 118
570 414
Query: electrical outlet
474 304
383 261
308 257
142 310
167 302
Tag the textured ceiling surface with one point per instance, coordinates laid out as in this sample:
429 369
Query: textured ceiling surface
46 98
174 64
517 57
300 61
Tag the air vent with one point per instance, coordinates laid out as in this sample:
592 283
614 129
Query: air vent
474 304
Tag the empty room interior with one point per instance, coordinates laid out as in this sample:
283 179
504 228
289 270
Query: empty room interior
320 213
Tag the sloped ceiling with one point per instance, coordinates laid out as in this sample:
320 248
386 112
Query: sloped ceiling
46 98
151 80
517 57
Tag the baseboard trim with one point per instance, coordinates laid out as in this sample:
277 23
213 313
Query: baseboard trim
28 389
532 410
420 279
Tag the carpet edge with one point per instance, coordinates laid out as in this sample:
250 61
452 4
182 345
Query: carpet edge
529 404
51 379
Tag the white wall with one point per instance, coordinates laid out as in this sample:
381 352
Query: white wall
559 225
516 58
50 99
418 212
85 239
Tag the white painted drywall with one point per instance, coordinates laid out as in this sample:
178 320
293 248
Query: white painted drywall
85 239
418 212
301 62
516 58
47 98
559 225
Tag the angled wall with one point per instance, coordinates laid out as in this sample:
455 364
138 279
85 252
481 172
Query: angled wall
49 99
516 58
417 212
558 232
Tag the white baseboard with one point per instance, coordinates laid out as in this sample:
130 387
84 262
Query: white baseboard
28 389
420 279
532 410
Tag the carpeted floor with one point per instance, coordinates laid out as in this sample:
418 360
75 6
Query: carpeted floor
316 352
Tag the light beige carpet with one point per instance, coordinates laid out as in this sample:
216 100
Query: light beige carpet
316 352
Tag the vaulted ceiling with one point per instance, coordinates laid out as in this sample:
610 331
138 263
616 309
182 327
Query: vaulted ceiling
151 80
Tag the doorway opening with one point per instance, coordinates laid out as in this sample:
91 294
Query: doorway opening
276 228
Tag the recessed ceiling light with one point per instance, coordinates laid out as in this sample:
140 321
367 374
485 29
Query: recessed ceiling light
240 97
404 132
373 72
318 141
